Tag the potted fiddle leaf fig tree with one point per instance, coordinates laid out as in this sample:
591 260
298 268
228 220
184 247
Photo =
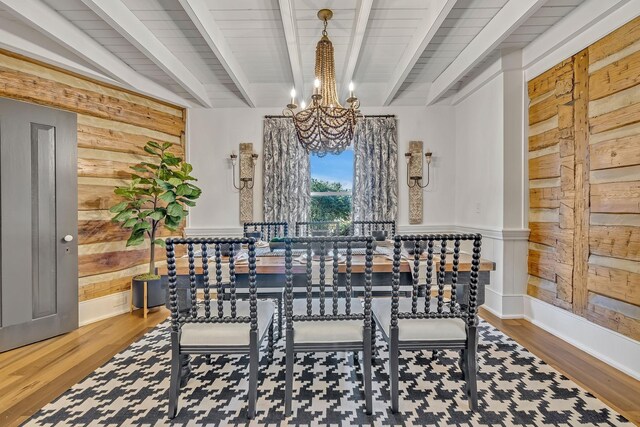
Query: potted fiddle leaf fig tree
157 196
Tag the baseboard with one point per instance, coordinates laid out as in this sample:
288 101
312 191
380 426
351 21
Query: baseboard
503 306
101 308
617 350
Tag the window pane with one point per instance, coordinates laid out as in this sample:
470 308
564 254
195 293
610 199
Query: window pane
331 183
330 208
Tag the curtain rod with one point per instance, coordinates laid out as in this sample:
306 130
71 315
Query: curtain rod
372 115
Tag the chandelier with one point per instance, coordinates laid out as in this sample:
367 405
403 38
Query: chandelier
324 126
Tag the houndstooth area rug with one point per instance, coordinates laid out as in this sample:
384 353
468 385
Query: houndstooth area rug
515 388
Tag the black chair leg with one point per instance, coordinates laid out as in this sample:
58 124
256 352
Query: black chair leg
174 382
254 353
472 368
434 355
366 372
462 364
270 344
373 342
394 371
280 320
288 390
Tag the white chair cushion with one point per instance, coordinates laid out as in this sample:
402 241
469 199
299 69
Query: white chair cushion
226 334
417 329
327 331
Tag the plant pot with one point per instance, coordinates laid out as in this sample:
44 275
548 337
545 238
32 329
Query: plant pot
155 294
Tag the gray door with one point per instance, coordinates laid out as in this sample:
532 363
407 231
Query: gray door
38 223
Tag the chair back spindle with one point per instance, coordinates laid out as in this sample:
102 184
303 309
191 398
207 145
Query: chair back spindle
268 230
435 306
365 228
327 255
200 312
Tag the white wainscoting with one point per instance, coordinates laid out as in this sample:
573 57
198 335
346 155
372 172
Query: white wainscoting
102 308
615 349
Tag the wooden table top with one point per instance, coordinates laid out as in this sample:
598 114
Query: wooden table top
381 264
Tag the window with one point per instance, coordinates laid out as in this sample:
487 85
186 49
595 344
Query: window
331 183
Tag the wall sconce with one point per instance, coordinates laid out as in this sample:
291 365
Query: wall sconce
245 181
414 180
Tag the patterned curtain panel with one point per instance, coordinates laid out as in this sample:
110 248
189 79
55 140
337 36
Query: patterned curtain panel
287 182
375 181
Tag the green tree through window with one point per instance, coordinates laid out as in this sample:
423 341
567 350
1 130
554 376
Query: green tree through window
329 207
331 181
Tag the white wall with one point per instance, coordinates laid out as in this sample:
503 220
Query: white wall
478 153
213 133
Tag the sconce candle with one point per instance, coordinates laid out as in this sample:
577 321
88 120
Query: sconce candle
245 182
414 181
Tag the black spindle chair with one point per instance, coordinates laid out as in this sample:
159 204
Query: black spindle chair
268 230
334 320
431 322
365 228
218 327
318 228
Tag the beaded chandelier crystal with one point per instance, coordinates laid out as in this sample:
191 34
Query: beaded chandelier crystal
324 126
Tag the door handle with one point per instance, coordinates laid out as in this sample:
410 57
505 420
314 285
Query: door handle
68 238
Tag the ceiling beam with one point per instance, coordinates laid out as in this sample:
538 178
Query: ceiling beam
438 11
288 16
356 45
26 41
126 23
203 19
47 21
508 19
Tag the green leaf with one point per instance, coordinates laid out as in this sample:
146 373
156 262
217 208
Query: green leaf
168 197
123 216
143 225
163 184
174 210
187 202
139 168
166 145
151 150
130 222
136 238
172 223
183 190
195 193
160 243
170 159
154 145
119 207
150 165
157 215
174 181
186 168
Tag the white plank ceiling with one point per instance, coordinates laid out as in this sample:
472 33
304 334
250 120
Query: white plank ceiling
252 52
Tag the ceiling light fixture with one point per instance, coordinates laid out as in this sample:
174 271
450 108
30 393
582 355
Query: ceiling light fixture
325 126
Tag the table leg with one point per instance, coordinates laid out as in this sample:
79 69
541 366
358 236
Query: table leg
185 369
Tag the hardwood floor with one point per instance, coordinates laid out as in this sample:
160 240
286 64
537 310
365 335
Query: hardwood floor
34 375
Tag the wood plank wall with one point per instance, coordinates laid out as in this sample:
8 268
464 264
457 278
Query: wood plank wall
113 127
584 183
